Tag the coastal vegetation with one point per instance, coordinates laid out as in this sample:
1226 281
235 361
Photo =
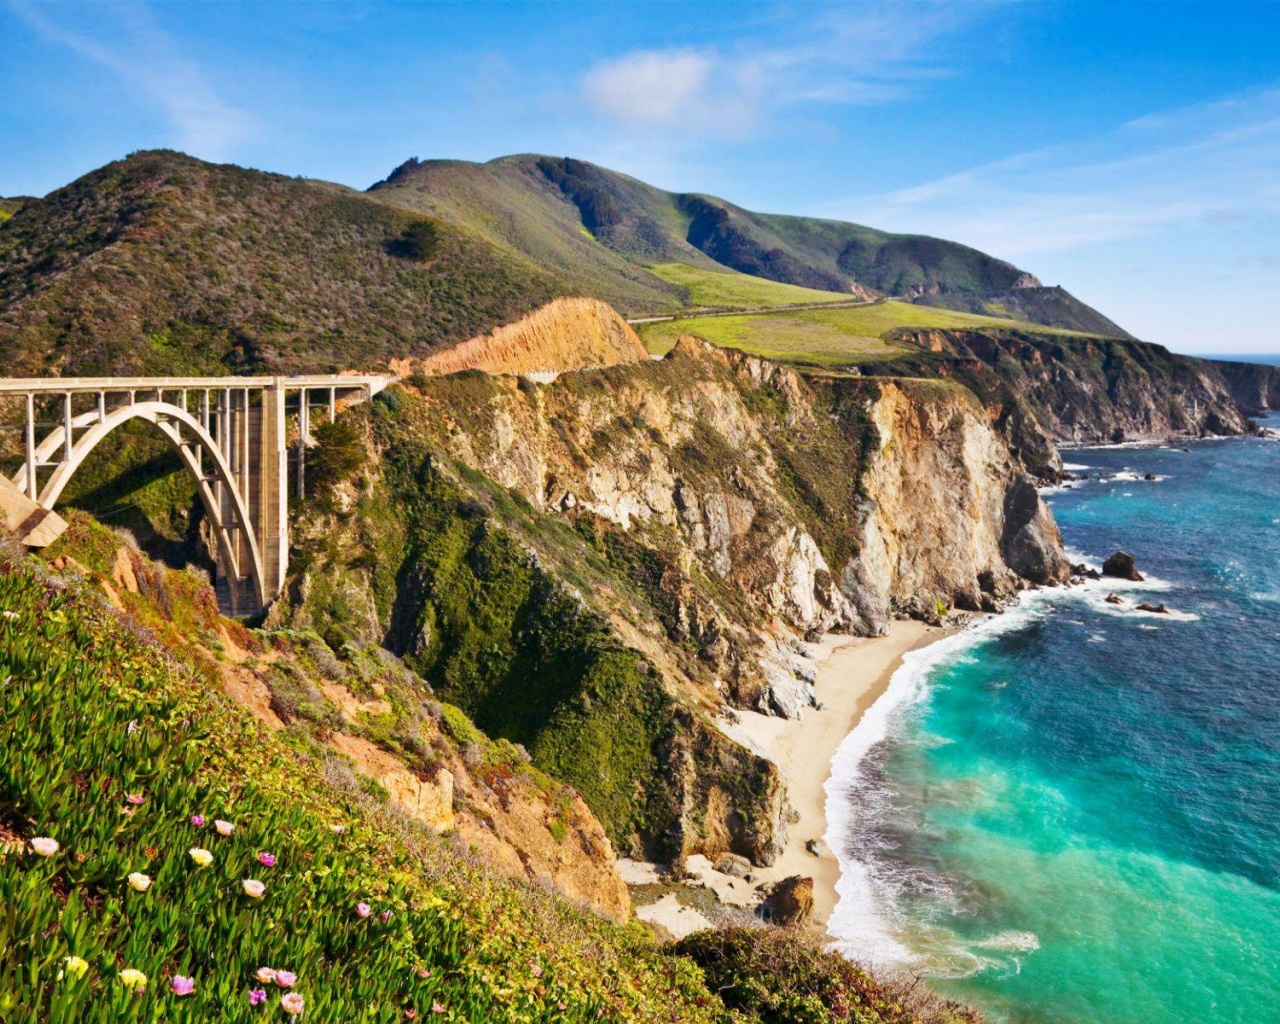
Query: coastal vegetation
825 337
725 288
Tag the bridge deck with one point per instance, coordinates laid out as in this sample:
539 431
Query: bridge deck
61 385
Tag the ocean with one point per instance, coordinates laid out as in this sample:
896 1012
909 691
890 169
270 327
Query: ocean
1070 813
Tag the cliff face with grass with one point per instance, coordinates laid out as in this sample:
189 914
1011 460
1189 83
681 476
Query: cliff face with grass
366 718
166 855
597 568
1045 390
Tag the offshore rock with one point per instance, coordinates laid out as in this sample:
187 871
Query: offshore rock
1120 565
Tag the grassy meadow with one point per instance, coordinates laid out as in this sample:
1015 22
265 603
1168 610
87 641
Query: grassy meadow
824 337
732 289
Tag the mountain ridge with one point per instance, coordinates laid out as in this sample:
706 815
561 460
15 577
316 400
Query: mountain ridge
649 225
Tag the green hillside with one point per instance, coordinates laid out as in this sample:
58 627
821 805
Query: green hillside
164 263
709 288
161 263
823 337
598 229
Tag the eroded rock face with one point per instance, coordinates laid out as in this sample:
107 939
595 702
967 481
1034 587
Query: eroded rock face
789 902
565 334
946 506
697 450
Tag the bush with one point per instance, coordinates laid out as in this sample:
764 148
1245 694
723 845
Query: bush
338 455
776 976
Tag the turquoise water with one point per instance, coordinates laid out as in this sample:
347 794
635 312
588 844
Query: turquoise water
1072 815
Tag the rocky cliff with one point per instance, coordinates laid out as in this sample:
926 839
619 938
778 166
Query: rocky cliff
598 567
1255 387
565 334
1046 389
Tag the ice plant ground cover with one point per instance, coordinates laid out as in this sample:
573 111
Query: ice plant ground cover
92 712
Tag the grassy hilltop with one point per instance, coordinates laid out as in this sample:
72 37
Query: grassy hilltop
614 236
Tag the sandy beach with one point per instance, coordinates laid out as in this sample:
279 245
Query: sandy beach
851 676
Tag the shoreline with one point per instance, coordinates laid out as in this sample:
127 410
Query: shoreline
853 673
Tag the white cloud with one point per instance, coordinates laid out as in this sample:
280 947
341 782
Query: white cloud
143 56
851 54
650 87
1215 163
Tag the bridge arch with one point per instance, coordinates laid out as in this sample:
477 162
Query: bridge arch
171 421
235 443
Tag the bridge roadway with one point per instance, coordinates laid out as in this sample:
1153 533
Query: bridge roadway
232 434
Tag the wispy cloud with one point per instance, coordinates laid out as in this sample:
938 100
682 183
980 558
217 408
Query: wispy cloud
1211 164
850 54
142 55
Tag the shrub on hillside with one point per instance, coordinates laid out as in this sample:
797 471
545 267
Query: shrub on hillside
338 455
777 976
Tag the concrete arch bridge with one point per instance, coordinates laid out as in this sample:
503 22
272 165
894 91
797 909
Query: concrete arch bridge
231 433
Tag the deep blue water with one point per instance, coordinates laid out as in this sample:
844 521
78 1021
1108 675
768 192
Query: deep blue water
1075 817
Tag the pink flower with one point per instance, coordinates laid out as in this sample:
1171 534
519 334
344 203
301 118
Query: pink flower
197 820
257 996
338 829
266 975
363 909
291 1003
267 860
131 728
183 986
225 828
386 916
537 971
135 798
285 979
437 1008
423 972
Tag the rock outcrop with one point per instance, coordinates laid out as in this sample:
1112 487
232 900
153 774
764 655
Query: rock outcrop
565 334
674 534
1121 566
788 903
1049 389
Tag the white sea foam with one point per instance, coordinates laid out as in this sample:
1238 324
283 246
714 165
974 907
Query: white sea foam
866 924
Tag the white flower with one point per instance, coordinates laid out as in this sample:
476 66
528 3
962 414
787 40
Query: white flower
203 858
139 881
225 828
11 616
44 846
254 888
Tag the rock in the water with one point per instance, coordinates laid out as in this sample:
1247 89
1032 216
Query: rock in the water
789 902
1121 566
1159 609
1114 598
733 864
1149 476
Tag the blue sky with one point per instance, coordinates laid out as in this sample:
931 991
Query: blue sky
1128 151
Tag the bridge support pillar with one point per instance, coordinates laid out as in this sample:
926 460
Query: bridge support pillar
273 489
